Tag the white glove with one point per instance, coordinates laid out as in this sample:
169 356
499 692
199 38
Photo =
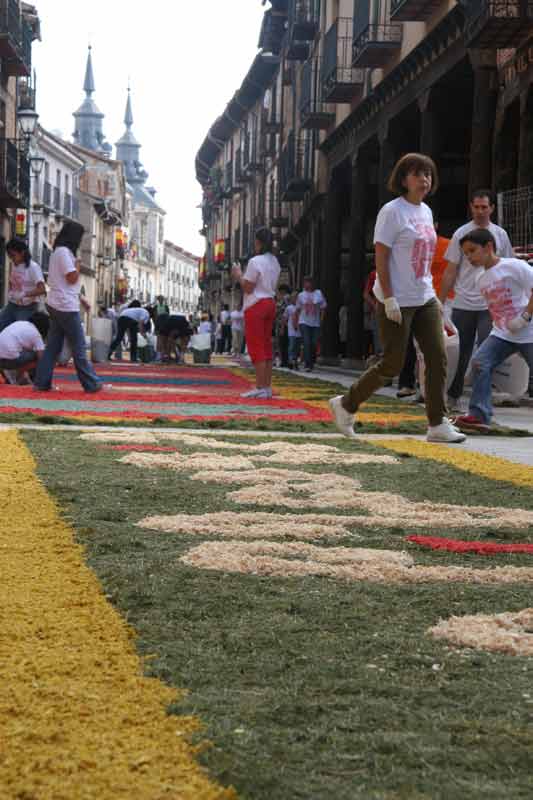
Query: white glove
519 323
393 310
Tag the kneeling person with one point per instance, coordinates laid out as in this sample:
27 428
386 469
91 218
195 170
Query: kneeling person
507 286
21 347
174 333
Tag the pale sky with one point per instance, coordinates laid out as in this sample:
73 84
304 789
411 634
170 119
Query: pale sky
184 59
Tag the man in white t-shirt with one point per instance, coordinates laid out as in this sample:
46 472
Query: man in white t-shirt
134 320
21 347
506 284
470 314
311 305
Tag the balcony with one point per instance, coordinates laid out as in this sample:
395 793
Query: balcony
56 199
272 31
14 175
497 24
75 208
251 162
375 45
277 216
413 10
67 205
314 113
15 40
271 122
241 176
341 83
304 18
296 176
229 186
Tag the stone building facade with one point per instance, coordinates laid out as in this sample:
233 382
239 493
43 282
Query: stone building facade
179 283
339 90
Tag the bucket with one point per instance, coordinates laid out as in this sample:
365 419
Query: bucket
512 376
102 335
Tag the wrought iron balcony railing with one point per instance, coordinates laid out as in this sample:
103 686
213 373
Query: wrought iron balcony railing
14 175
374 46
341 83
497 24
314 113
303 24
296 167
15 40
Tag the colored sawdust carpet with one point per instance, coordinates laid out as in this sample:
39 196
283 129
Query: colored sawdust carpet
134 393
77 717
271 577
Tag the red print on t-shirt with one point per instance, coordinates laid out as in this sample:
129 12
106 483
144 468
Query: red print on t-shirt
500 301
423 249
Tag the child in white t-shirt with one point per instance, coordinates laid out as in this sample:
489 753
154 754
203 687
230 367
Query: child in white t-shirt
507 286
295 342
21 347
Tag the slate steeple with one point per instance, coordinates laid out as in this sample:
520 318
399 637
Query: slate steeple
129 150
88 132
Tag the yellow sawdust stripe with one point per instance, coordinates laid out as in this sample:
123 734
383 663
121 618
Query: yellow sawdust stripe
497 469
77 717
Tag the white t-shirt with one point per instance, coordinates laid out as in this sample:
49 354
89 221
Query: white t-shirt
63 296
237 321
507 290
224 316
310 304
17 337
205 327
263 271
290 316
408 230
138 314
23 279
467 296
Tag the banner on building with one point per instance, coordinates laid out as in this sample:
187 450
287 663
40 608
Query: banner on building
202 269
220 251
20 222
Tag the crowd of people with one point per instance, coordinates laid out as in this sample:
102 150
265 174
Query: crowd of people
422 285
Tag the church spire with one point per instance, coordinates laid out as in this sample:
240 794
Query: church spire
89 119
128 118
88 86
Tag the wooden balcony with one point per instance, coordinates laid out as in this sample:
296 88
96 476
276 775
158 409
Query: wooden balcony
14 175
413 10
15 40
341 83
376 45
497 24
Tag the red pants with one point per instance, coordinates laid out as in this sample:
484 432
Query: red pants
258 323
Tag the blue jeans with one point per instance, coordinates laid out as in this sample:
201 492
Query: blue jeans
14 313
491 354
469 325
65 324
295 344
310 336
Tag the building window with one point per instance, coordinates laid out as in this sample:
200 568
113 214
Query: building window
58 178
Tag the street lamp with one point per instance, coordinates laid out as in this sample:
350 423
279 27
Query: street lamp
37 165
27 119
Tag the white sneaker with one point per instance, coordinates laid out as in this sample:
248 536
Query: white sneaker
342 418
253 393
445 432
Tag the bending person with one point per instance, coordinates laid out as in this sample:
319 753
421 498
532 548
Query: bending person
132 320
26 285
259 285
405 241
63 306
21 347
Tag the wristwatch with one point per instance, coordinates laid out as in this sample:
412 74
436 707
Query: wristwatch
527 316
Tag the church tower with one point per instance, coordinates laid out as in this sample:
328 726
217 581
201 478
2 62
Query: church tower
89 119
129 149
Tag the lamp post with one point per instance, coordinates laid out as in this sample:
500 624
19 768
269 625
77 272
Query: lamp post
27 119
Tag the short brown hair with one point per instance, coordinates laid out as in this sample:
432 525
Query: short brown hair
412 162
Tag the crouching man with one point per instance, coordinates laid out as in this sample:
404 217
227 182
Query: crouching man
21 347
507 286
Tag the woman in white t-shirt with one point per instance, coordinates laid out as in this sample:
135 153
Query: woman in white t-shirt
63 306
259 285
26 285
405 241
132 320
